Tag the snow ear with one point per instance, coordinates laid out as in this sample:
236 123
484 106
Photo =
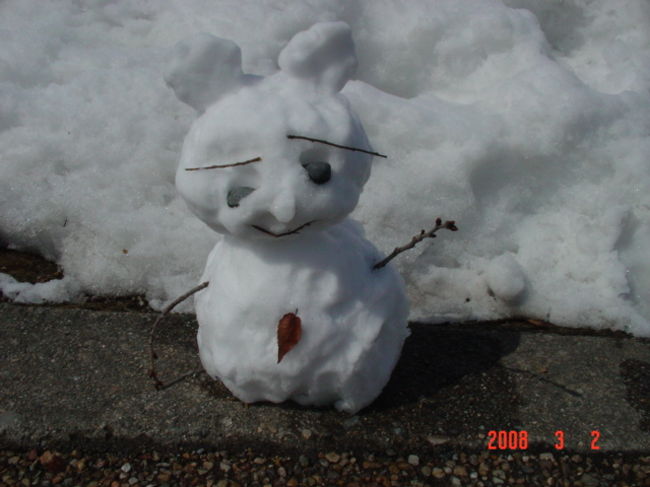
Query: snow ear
323 55
203 68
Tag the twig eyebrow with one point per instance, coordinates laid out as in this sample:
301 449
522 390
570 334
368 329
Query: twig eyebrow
219 166
321 141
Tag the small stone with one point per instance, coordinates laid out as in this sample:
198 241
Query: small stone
499 473
225 466
455 481
460 471
332 457
546 456
483 469
126 468
497 481
435 440
282 472
227 483
426 471
589 481
208 465
235 195
133 481
53 462
438 473
258 460
303 461
14 460
413 460
306 433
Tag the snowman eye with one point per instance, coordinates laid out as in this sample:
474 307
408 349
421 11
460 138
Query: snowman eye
319 172
235 195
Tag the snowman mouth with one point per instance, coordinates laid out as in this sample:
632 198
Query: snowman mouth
283 234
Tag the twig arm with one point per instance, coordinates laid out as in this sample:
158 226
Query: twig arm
448 225
152 353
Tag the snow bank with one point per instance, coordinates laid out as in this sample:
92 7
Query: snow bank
527 122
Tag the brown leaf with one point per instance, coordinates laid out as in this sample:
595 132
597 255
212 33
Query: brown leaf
289 333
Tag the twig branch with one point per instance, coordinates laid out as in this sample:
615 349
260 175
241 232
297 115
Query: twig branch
284 234
321 141
219 166
152 353
448 225
160 386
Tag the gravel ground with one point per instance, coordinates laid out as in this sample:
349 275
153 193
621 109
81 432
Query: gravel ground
250 468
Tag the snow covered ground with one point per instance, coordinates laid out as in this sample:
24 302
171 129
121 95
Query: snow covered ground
526 122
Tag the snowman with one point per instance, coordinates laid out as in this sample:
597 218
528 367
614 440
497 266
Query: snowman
295 309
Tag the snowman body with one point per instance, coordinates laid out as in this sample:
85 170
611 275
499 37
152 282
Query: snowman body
276 164
352 318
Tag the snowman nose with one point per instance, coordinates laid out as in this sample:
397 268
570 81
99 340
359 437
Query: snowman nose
284 207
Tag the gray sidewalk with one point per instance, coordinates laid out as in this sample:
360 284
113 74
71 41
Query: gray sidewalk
74 376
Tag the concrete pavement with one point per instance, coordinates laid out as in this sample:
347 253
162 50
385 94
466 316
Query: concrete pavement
79 377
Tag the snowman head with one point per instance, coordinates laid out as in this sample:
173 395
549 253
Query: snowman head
276 156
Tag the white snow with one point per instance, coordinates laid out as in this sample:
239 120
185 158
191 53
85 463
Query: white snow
288 249
526 122
505 278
